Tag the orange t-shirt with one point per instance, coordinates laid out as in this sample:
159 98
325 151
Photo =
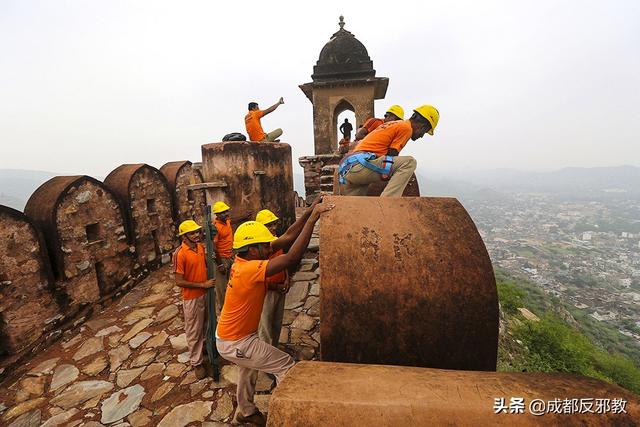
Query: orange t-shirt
243 300
278 277
192 265
394 134
372 124
224 239
252 123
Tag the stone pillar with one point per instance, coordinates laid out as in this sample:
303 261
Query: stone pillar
419 290
84 228
144 193
187 204
27 304
250 177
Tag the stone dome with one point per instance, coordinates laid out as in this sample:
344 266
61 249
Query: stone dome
344 56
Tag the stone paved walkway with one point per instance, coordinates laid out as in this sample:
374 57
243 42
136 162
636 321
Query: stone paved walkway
128 366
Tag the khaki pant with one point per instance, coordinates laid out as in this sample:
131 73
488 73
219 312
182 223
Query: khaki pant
251 354
272 136
359 177
271 318
221 284
194 327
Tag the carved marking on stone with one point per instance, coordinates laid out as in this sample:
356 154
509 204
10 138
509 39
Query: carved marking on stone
404 242
370 243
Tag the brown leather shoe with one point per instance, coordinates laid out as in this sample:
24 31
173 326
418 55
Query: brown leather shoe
200 371
256 418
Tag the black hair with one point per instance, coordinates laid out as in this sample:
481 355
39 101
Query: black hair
253 105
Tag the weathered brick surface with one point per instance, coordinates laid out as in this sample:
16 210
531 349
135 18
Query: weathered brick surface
144 193
187 204
26 300
85 233
316 171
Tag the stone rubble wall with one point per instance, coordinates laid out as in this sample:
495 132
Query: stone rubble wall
72 252
188 204
97 267
27 305
155 231
318 174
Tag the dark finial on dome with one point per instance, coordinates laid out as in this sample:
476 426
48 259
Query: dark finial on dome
341 23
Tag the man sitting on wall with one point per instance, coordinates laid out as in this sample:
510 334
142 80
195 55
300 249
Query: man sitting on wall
190 272
254 126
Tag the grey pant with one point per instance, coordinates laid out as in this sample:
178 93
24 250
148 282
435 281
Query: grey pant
273 135
221 284
271 318
194 327
359 177
252 354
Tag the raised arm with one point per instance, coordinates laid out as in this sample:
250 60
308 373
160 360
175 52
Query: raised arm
279 263
273 107
285 241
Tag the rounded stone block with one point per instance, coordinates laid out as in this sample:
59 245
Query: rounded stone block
419 290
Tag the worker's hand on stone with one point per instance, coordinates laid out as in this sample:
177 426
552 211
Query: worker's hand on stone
321 208
211 283
317 201
222 268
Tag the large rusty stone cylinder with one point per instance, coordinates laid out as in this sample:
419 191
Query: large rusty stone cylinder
406 281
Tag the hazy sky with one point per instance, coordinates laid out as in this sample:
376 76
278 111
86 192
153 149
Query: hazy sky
88 85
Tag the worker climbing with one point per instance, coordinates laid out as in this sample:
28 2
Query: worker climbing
254 126
223 242
273 308
377 157
236 337
190 271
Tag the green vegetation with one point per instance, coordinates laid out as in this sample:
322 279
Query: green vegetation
557 343
617 226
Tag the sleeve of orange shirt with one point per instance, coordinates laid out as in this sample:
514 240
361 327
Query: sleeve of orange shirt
179 262
259 114
401 137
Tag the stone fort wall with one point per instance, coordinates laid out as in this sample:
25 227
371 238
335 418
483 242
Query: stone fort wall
81 243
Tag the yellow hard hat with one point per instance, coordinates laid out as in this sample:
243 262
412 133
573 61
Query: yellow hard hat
251 232
188 226
397 111
265 216
430 113
219 207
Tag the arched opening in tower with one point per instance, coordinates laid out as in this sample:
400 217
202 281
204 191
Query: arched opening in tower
344 122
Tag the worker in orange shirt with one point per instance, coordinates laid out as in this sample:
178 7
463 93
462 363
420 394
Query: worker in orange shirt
223 243
254 126
273 308
190 272
377 156
236 336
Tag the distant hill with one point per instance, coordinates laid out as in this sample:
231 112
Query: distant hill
600 182
16 185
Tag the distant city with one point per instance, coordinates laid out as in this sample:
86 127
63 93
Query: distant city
587 253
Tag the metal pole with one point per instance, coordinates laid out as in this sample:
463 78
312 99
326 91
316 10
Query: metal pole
209 232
